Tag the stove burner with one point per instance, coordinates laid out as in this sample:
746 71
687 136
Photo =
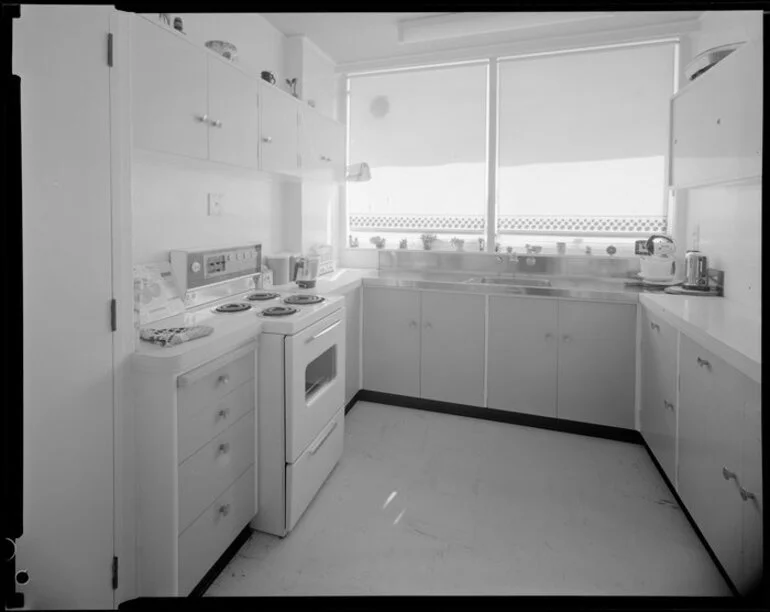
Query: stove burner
261 296
304 299
232 307
278 311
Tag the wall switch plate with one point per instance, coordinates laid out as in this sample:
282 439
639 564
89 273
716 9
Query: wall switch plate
216 206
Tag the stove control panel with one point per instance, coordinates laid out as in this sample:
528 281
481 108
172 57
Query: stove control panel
201 267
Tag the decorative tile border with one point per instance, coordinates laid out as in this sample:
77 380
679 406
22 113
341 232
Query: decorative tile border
545 224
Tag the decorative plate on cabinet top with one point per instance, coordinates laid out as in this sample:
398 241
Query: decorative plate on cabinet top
224 48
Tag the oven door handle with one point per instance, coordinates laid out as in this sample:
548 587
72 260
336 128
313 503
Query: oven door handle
326 330
314 450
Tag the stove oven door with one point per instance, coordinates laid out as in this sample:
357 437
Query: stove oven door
315 381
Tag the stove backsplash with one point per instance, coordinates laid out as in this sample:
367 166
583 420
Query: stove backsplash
547 265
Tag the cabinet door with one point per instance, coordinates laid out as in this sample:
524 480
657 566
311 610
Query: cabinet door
353 342
658 402
751 480
311 144
168 84
709 438
522 352
452 360
391 344
278 131
233 115
717 122
335 150
597 363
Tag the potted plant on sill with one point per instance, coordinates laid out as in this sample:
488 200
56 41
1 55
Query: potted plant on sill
457 243
377 242
428 240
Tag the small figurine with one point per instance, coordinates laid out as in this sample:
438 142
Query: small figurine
509 250
402 244
481 244
457 243
178 24
293 84
428 240
588 250
377 242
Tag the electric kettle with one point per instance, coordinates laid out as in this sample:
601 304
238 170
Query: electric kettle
306 271
658 266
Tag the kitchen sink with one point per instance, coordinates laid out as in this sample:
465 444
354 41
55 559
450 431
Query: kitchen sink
520 282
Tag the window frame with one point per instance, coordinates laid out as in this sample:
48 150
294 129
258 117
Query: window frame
492 126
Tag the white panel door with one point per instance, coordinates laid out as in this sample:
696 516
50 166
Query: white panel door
597 363
522 352
168 92
279 146
233 115
452 354
710 415
67 545
391 344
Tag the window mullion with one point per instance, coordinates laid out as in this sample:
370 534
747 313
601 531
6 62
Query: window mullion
492 150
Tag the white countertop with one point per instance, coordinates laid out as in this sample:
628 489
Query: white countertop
725 328
338 281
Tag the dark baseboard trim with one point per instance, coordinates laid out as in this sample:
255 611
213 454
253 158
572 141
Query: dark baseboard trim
221 563
689 517
502 416
353 401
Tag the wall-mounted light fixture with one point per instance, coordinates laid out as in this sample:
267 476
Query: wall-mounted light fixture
358 173
457 25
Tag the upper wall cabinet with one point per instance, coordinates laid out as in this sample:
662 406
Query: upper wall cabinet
279 131
317 80
322 146
717 122
169 94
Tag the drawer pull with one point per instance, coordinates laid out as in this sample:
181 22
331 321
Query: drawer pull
223 380
326 330
412 323
548 335
566 338
704 364
668 405
313 451
655 326
746 495
224 448
202 118
222 414
224 509
727 474
267 139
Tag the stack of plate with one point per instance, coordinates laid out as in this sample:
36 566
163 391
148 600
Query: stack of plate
224 48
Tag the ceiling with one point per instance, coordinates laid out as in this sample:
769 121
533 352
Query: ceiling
349 38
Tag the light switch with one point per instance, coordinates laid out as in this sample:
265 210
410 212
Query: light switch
216 206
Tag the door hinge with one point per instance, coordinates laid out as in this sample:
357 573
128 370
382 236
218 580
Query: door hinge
109 49
114 315
114 573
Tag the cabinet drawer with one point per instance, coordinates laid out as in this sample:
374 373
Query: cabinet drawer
214 530
197 428
210 382
212 469
307 474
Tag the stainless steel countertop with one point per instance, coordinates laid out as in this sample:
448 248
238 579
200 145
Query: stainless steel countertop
578 288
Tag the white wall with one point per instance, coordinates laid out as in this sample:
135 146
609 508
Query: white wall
170 203
729 217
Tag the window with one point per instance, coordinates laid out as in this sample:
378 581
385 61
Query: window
581 156
423 134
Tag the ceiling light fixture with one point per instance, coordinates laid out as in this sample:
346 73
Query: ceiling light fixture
458 25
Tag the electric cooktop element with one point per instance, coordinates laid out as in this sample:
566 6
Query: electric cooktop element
232 307
261 296
278 311
304 299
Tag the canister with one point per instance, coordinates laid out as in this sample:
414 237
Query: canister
279 264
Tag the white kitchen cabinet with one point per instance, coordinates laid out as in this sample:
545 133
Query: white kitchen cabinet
710 412
717 122
597 363
352 342
234 115
322 147
452 347
659 381
169 92
391 342
279 119
751 481
317 79
522 355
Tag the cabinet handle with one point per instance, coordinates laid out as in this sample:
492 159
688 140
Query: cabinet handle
428 325
202 118
566 338
655 326
222 414
224 510
223 380
548 335
224 448
704 364
746 495
727 475
216 123
267 139
668 405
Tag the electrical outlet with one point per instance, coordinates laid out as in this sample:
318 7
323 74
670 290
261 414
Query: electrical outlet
216 206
